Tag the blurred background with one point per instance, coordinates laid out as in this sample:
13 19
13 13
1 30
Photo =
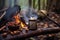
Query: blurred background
36 4
30 18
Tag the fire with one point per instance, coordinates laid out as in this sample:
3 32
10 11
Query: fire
22 25
18 21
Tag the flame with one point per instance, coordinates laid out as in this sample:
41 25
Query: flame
18 21
23 26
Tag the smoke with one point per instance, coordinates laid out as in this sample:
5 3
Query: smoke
24 12
28 13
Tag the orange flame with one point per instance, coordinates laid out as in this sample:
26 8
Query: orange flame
18 21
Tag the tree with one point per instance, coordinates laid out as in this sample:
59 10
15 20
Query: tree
38 4
34 4
30 3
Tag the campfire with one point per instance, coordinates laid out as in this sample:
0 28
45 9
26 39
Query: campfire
17 25
18 22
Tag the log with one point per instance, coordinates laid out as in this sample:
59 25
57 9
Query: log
50 19
10 12
43 31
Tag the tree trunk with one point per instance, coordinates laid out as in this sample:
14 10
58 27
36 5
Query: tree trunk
2 4
38 4
34 4
30 3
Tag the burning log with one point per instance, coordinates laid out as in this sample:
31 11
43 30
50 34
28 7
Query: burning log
19 22
37 32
